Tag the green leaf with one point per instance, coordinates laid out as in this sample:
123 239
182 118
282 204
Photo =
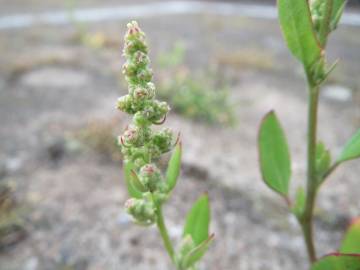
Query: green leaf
351 241
351 149
323 159
173 169
338 261
197 253
135 181
274 155
299 204
297 27
198 220
128 175
337 11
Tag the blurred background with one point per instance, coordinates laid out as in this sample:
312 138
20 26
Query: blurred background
221 66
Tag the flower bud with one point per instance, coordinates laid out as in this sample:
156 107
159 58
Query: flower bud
132 136
141 59
160 110
151 177
163 140
134 31
145 75
133 46
151 89
142 210
140 119
124 104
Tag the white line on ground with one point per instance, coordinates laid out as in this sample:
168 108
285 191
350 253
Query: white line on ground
149 10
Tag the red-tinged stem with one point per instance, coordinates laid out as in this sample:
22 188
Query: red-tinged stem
306 219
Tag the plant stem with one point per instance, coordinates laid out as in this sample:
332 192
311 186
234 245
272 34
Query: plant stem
164 233
311 189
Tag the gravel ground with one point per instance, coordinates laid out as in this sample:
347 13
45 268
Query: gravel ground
51 86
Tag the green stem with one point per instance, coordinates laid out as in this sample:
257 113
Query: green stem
311 189
164 233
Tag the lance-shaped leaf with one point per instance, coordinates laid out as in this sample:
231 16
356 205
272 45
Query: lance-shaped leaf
351 149
337 11
351 241
274 155
173 169
197 253
338 261
128 175
198 220
298 31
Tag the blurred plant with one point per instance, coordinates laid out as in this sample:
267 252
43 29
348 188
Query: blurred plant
142 147
247 58
12 227
100 136
194 96
97 40
173 58
306 27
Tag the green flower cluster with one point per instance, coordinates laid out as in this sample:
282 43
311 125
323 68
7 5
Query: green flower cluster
140 144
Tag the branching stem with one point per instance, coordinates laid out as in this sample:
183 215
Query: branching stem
330 171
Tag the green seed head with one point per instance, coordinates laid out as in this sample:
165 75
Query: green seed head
140 144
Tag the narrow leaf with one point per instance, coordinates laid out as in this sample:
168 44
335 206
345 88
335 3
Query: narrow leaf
337 11
174 165
351 149
198 220
338 261
297 27
197 253
274 155
132 190
351 241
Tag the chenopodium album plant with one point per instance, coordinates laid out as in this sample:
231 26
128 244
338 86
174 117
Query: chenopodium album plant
142 147
306 26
